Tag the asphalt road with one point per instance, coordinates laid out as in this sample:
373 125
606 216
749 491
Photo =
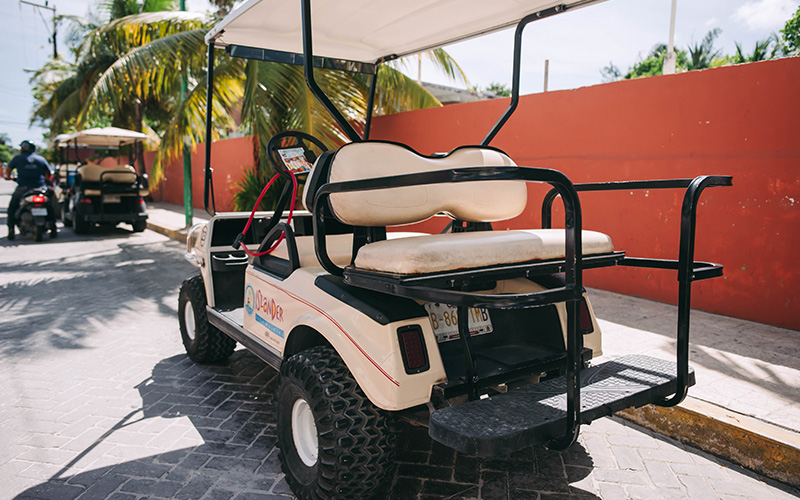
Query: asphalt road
98 400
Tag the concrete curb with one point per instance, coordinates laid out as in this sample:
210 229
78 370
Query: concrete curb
759 446
175 234
756 445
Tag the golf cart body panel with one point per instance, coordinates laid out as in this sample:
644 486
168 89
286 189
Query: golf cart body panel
91 193
488 334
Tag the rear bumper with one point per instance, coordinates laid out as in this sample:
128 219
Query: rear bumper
113 217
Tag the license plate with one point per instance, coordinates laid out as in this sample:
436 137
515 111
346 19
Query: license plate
444 320
39 212
112 198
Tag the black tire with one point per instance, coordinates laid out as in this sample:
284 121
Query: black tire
139 226
78 223
38 232
355 442
204 342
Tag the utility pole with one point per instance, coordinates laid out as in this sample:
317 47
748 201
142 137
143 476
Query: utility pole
671 58
188 205
546 73
55 22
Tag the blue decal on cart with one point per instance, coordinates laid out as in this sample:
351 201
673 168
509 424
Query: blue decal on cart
249 299
269 326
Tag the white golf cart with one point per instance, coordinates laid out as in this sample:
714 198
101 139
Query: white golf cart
89 193
485 337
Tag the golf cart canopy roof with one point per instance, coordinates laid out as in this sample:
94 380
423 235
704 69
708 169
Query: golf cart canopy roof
370 31
106 137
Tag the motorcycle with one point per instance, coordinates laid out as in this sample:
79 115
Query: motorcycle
35 214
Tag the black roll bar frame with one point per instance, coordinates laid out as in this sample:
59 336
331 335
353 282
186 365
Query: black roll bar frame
688 270
515 75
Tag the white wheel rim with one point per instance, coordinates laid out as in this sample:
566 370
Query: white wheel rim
304 432
188 317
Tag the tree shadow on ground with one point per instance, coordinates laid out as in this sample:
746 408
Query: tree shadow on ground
231 408
60 303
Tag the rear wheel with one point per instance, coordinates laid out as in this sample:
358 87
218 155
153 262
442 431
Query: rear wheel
334 443
204 342
139 226
78 223
38 232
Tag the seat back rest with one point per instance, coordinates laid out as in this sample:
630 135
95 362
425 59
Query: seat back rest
316 178
481 201
122 174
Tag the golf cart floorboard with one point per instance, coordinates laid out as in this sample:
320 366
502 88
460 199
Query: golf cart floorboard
536 414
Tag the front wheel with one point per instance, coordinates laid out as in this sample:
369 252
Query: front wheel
204 342
334 443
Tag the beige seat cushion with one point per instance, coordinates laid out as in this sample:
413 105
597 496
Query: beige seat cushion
339 246
448 252
123 174
484 201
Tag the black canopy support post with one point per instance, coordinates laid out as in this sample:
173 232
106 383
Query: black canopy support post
373 86
515 76
208 184
308 70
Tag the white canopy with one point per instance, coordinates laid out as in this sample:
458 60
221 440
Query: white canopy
106 137
369 30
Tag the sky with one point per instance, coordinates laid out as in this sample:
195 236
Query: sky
578 44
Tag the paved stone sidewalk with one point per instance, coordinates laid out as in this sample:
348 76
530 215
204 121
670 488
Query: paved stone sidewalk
190 432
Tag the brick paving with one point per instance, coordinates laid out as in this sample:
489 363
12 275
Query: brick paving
98 401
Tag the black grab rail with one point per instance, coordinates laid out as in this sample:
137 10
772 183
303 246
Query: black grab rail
688 269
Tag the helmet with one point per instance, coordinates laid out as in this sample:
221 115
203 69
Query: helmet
27 146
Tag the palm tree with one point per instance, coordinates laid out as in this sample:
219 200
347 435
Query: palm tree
702 55
761 51
126 76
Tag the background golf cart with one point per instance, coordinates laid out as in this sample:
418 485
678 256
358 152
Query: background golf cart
356 331
89 193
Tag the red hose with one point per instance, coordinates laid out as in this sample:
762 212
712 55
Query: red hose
253 212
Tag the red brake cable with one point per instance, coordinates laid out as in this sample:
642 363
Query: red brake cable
253 213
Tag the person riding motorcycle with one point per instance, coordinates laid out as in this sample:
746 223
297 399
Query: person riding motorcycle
33 171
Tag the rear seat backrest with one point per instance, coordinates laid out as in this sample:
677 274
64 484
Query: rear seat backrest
481 201
122 174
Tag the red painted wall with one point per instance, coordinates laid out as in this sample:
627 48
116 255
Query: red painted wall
230 158
742 121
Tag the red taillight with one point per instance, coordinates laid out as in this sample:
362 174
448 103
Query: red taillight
38 199
141 201
587 326
86 201
412 347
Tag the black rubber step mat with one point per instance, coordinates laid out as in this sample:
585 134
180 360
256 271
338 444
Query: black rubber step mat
536 414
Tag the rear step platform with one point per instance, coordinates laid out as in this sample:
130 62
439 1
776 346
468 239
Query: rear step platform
536 414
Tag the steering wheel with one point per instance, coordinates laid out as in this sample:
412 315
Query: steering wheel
312 148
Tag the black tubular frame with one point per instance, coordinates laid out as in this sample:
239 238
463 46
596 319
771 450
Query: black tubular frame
308 70
688 269
571 293
515 76
208 185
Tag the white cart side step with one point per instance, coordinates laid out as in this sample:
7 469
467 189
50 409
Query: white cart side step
536 414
